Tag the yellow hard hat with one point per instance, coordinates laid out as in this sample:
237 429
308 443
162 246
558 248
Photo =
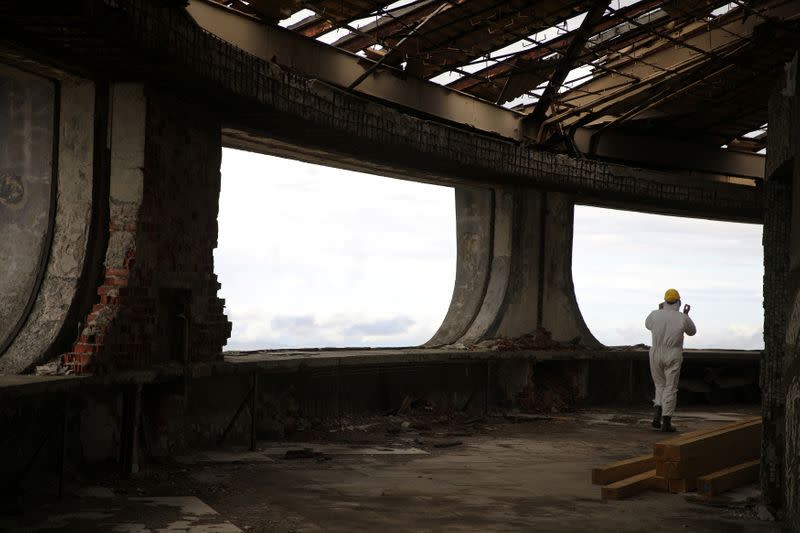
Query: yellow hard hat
671 296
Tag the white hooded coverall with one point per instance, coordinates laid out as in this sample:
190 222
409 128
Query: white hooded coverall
666 354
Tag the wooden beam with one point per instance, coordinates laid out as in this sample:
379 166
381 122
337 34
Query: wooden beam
568 60
628 487
670 466
711 460
683 437
658 484
738 435
603 475
682 485
729 478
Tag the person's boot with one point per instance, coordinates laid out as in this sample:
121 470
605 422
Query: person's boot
666 425
657 417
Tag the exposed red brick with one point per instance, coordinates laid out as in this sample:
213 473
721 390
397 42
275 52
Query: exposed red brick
171 254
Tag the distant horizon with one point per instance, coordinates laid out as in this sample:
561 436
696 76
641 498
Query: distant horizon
365 261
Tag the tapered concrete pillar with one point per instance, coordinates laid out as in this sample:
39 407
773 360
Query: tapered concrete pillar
514 268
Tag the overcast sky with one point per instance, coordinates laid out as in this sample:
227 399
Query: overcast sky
314 256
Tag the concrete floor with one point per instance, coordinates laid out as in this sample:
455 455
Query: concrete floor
382 475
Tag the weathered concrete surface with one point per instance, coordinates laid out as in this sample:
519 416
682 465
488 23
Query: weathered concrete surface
157 302
504 476
781 363
473 259
27 109
69 241
527 284
12 386
500 222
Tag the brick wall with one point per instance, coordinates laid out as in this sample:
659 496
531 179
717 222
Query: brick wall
159 281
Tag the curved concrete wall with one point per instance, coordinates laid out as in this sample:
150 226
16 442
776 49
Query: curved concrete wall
473 259
561 315
521 306
27 119
70 232
502 223
526 283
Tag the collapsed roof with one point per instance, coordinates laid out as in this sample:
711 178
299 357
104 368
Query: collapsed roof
694 70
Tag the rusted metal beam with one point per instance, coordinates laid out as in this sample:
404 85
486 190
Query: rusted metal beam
553 45
669 60
338 68
567 62
442 7
388 25
659 152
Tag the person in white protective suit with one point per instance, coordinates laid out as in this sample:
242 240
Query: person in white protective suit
668 325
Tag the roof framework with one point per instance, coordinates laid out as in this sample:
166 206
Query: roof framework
693 70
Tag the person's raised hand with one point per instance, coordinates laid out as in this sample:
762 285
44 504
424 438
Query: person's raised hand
687 308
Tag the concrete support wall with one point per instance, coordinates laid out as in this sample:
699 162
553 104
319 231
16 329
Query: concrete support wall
781 364
67 247
514 268
27 138
157 302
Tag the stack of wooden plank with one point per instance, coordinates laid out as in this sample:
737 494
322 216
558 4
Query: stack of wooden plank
709 461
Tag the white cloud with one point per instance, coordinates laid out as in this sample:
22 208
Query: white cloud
623 262
314 256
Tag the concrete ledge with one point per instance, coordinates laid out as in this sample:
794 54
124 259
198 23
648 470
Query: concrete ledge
345 360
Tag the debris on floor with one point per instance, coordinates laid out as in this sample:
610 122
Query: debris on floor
708 461
541 339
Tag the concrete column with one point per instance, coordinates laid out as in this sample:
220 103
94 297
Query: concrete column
473 260
514 269
157 302
780 368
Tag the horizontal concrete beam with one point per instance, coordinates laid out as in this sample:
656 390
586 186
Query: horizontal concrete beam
604 185
337 67
670 154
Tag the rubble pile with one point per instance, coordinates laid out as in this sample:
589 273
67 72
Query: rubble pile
541 339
